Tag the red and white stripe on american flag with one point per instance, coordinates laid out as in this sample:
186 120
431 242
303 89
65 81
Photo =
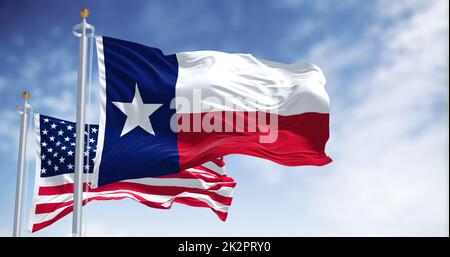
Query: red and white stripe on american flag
204 186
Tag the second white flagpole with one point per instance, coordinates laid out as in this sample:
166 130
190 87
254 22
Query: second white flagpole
24 111
83 31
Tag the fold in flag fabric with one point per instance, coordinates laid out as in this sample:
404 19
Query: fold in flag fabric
160 114
206 185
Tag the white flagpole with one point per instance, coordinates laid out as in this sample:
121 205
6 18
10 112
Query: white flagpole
82 31
24 113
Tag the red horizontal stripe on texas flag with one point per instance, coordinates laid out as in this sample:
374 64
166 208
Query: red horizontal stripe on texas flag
301 139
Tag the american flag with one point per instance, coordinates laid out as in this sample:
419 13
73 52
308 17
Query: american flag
204 186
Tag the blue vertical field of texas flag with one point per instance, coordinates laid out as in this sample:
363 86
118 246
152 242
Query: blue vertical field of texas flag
160 114
136 73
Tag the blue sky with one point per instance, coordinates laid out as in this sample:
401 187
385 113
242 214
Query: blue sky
386 64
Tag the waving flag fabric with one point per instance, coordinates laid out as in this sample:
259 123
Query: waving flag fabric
164 113
202 186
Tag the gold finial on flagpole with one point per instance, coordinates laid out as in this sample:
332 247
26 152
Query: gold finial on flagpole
84 13
26 95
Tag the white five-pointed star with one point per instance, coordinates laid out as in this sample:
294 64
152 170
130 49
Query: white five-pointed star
138 113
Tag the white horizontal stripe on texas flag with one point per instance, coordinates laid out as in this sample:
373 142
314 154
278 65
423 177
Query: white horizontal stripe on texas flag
250 84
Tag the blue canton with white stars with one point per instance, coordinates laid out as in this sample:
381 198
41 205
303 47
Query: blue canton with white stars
58 146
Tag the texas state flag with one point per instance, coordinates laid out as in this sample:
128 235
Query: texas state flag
161 114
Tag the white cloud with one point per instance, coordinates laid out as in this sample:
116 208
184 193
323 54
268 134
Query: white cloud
390 175
62 105
396 9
